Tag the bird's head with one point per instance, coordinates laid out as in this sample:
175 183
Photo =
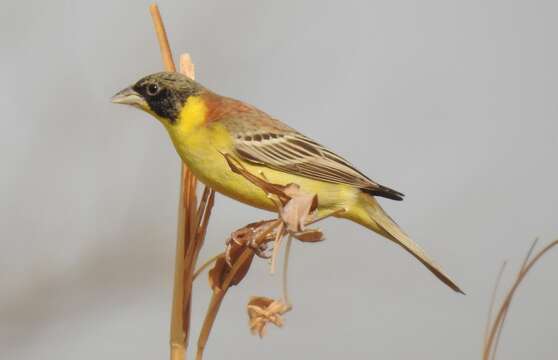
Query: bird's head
162 95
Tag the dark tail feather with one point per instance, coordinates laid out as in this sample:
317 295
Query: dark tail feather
384 191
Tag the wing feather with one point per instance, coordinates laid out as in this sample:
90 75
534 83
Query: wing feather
294 153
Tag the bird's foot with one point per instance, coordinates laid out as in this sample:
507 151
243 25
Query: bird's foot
246 237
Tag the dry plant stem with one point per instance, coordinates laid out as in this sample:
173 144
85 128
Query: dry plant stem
490 345
276 246
286 271
212 310
493 301
187 66
507 305
162 38
192 221
219 294
206 264
190 243
178 335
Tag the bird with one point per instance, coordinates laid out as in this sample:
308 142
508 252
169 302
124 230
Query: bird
203 126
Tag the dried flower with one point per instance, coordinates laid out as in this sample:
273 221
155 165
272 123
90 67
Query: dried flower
263 310
299 209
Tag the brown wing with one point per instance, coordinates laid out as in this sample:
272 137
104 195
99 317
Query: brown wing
292 152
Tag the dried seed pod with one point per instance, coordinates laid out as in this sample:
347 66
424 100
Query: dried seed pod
262 311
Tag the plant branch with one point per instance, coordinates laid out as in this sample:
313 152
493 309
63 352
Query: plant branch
162 38
192 219
491 344
493 300
206 264
286 270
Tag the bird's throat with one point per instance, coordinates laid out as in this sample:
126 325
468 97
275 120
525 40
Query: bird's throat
191 117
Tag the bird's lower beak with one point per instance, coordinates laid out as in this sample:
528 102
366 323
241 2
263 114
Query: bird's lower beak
129 96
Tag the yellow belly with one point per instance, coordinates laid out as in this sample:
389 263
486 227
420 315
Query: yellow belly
202 150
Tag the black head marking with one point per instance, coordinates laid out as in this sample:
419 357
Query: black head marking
166 93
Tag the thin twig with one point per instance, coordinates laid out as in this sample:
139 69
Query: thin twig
286 270
206 264
192 220
187 67
493 300
162 38
178 334
507 305
528 256
276 247
490 345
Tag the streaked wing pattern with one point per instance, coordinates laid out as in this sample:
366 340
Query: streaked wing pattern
294 153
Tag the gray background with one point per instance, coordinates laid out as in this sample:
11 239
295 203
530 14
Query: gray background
451 102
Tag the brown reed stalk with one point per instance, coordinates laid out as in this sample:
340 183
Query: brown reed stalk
192 218
220 290
495 329
162 38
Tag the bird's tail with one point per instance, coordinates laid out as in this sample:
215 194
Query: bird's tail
372 216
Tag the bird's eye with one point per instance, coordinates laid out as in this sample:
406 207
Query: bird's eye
153 89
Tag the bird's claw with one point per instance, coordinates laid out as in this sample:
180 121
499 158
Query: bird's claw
245 237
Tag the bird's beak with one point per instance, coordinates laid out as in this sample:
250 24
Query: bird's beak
129 96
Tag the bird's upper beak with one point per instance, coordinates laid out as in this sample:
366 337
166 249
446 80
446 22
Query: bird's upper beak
129 96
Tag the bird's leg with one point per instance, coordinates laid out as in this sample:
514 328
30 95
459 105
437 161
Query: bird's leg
259 249
246 237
